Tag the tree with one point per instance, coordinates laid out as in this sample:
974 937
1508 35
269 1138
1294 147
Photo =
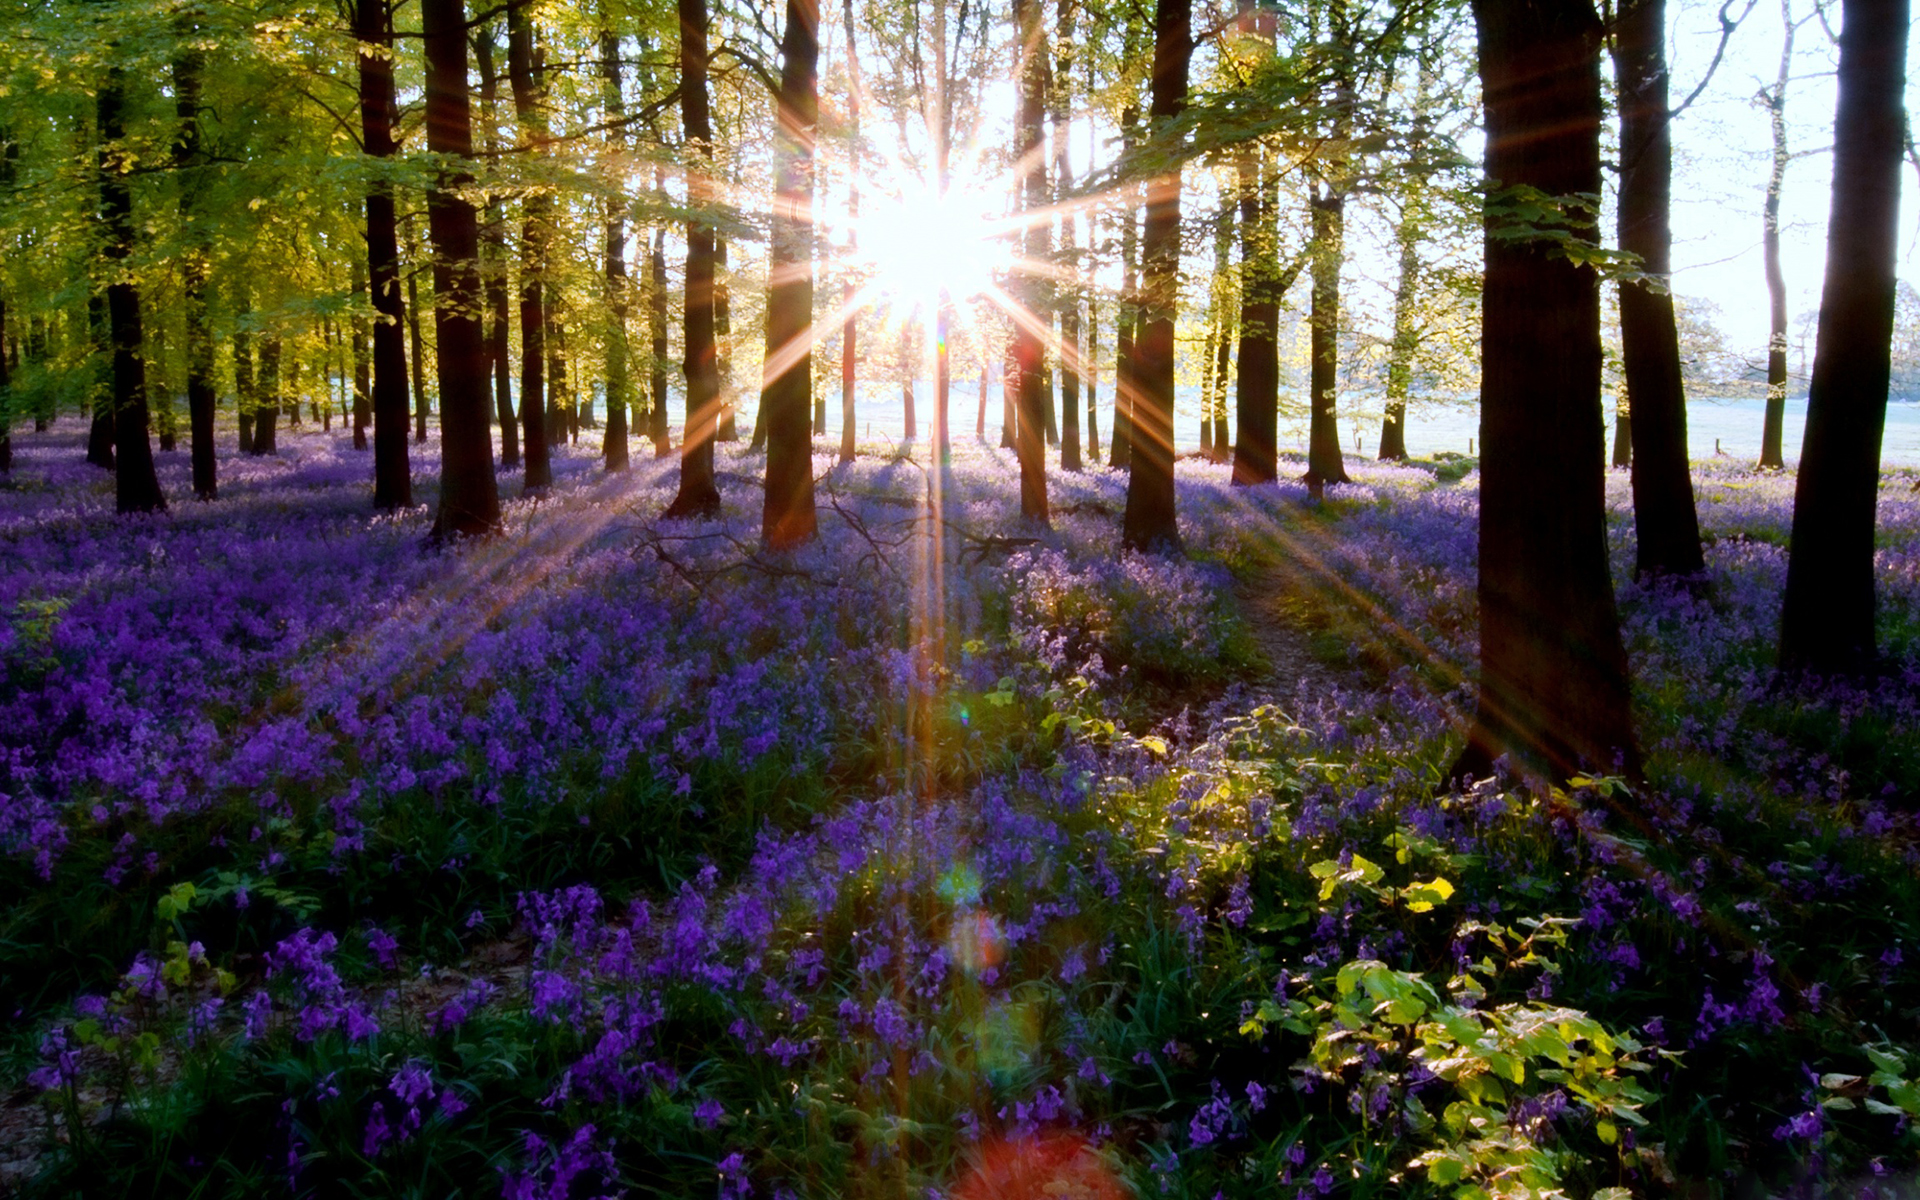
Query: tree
1149 523
1826 624
526 71
392 483
849 328
1553 693
619 378
1774 100
189 156
1067 298
787 515
1028 352
469 497
493 257
1666 529
136 487
698 496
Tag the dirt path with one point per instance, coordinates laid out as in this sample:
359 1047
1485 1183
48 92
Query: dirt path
1277 618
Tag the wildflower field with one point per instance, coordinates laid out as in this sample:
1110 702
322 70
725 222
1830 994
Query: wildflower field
943 857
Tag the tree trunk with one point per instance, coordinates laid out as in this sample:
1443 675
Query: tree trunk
1009 399
1623 431
524 75
418 349
729 430
1325 461
787 514
657 340
362 368
1028 353
136 489
849 329
1393 426
493 258
1775 99
1067 304
188 64
1149 524
1553 673
1666 528
1826 626
1213 411
699 496
563 418
469 495
1126 316
266 413
392 481
980 420
619 373
910 418
245 398
1093 380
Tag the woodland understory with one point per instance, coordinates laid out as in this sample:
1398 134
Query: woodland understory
944 855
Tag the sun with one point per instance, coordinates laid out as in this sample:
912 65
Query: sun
918 242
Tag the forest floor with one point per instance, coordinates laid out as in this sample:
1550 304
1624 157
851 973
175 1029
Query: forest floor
945 856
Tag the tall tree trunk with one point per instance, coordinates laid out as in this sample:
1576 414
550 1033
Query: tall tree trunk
245 398
1009 399
1826 625
1067 304
1213 409
1093 379
1126 315
1393 426
849 328
980 420
469 495
135 484
1149 524
524 74
699 496
1325 462
619 373
910 418
493 257
188 65
392 479
422 409
1775 99
657 345
266 413
1666 528
563 418
1553 673
729 430
787 514
1028 353
362 368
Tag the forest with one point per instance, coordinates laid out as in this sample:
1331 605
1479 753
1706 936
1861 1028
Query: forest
751 599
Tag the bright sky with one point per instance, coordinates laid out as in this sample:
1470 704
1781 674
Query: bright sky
1722 148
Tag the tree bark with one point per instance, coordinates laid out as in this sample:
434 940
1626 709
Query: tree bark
723 340
245 398
1028 353
1150 524
266 413
699 496
1826 625
524 75
1067 297
469 495
619 372
657 345
850 328
493 259
136 488
1126 315
1093 380
1775 99
1393 425
188 65
787 514
417 347
1213 411
1325 461
362 367
1667 530
392 480
1553 673
1258 390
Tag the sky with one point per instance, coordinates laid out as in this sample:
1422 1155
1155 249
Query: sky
1722 149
